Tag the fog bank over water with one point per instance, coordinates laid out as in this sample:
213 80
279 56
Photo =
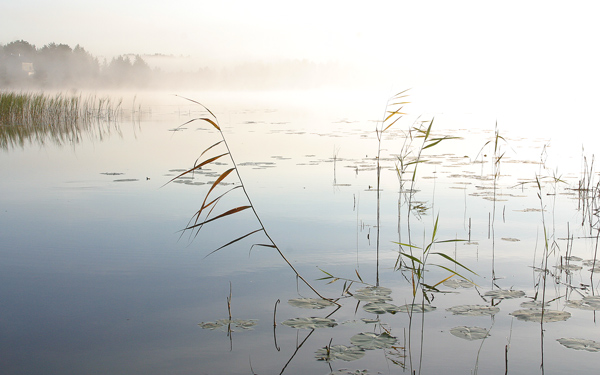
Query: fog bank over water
56 66
532 64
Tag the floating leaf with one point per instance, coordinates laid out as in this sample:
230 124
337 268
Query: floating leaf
380 307
345 353
309 323
586 303
310 303
373 294
232 325
580 344
504 294
473 310
367 298
345 371
375 290
244 324
568 267
573 258
470 333
459 283
416 308
370 340
533 304
535 315
210 325
368 321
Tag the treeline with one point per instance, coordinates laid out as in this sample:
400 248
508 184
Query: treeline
24 66
58 65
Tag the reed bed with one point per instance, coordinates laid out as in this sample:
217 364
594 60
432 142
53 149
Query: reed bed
39 117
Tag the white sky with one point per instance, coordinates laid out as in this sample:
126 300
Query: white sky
536 57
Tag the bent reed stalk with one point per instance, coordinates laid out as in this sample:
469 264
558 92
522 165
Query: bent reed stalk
196 223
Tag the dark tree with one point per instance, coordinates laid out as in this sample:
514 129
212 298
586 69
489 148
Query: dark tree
16 63
54 65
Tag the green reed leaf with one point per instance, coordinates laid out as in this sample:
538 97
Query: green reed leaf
411 257
451 271
455 262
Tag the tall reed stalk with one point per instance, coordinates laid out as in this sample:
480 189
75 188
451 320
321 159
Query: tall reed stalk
392 114
204 214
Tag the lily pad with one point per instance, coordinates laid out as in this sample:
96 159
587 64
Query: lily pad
470 333
456 284
504 294
345 353
416 308
373 294
533 304
367 298
310 303
573 258
369 321
568 267
380 290
210 325
473 310
227 324
380 307
586 303
580 344
370 340
535 315
345 371
309 323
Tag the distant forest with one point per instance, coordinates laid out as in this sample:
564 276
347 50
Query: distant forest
23 66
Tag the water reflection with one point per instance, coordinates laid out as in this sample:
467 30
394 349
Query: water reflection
39 118
409 343
92 271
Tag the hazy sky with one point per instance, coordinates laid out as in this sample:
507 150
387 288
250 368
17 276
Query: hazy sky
538 56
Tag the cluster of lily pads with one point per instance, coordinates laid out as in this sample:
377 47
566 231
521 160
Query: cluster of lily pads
377 300
532 311
360 342
594 263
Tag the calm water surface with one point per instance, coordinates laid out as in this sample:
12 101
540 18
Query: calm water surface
96 278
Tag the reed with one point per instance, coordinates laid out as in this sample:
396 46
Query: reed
417 140
392 114
419 263
39 117
205 214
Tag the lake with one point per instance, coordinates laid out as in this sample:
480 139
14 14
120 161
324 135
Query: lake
97 276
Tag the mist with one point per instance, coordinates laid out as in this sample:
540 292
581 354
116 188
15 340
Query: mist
529 64
60 66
